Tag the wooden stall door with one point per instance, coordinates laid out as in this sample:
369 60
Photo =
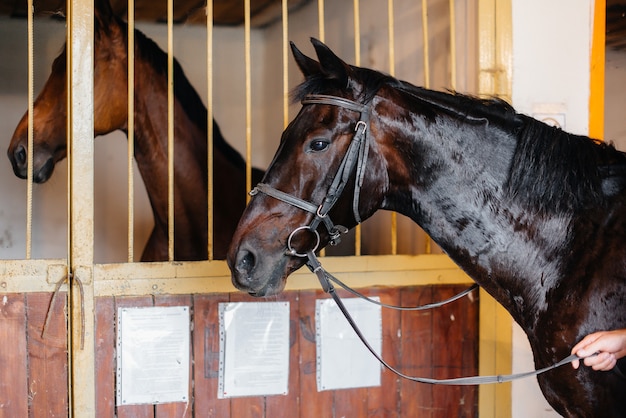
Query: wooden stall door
441 343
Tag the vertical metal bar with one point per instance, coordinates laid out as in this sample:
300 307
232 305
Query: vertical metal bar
426 52
321 28
248 97
170 128
285 26
131 130
427 249
80 56
392 71
320 19
357 34
357 62
453 45
29 175
209 72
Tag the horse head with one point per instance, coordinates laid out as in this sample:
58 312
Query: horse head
50 106
310 194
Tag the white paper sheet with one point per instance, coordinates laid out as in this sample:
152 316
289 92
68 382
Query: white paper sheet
254 349
342 359
152 355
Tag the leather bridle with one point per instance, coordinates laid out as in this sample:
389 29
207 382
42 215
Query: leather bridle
356 157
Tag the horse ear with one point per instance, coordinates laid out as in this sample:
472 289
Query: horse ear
332 66
103 12
308 66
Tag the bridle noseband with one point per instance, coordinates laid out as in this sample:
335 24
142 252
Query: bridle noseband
355 158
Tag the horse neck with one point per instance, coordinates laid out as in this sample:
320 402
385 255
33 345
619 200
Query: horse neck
151 144
455 182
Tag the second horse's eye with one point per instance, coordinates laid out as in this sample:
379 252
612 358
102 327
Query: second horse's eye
318 145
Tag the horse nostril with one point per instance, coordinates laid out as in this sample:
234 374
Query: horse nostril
245 261
20 155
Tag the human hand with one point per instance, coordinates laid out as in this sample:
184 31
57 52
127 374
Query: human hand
610 346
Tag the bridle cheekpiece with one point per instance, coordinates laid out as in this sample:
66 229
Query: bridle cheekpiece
355 158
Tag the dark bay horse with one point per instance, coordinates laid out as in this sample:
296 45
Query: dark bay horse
533 214
150 130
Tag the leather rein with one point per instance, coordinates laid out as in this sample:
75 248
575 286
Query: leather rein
355 159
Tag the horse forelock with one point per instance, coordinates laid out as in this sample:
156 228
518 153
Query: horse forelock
363 85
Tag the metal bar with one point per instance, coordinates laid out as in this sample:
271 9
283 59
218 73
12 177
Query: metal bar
357 62
425 49
29 172
248 98
285 27
322 35
131 130
427 248
209 71
320 19
392 72
170 128
452 45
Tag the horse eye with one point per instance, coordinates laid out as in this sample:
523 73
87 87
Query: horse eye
318 145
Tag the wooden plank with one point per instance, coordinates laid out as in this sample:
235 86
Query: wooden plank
447 353
13 360
105 356
469 328
289 405
250 406
176 409
416 352
47 355
383 401
206 357
455 343
351 402
314 404
134 411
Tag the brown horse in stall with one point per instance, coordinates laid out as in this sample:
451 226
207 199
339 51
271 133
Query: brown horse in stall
110 114
535 215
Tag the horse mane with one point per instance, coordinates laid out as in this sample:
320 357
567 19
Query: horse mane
183 90
552 171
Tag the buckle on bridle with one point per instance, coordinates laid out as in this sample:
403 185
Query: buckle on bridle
335 234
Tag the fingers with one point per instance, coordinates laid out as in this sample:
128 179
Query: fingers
582 349
602 362
608 346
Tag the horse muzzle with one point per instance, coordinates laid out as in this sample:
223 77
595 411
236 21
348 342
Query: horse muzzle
43 166
261 276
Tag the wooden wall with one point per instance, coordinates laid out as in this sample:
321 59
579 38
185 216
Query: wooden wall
439 343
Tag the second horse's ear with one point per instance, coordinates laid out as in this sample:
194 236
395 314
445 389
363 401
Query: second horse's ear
331 65
103 12
308 66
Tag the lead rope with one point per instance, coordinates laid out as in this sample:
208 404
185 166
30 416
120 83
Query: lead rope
324 277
